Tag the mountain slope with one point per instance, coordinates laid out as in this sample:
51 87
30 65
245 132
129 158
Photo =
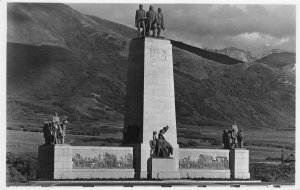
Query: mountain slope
65 77
236 54
76 65
278 60
285 61
206 54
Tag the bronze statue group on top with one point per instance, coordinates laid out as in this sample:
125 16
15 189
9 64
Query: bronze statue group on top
150 21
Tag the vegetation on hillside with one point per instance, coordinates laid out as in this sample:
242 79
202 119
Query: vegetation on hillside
279 60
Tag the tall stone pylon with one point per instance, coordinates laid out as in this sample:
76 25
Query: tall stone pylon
150 100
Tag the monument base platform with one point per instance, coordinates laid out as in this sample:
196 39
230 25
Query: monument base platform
163 168
208 174
77 162
103 174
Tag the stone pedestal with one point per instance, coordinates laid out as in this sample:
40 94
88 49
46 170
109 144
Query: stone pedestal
141 155
54 162
163 168
45 162
150 98
239 163
141 160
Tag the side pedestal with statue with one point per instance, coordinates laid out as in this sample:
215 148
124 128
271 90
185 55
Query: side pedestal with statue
54 156
162 164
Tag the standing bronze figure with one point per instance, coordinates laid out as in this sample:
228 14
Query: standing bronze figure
240 138
153 145
140 18
151 22
160 22
225 139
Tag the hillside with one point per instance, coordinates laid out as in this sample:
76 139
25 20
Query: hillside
61 60
236 53
278 60
72 79
285 61
268 52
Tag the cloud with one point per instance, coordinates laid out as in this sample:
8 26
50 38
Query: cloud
214 26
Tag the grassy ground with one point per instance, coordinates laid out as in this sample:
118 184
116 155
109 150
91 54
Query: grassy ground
262 143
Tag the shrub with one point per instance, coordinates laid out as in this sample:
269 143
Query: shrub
21 168
10 128
93 139
284 173
192 143
35 130
113 140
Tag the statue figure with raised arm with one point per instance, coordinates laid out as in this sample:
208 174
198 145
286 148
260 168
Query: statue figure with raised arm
159 146
164 148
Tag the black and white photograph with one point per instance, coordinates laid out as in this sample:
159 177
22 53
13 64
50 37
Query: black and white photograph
149 94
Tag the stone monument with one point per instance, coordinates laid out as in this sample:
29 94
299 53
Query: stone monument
149 109
150 103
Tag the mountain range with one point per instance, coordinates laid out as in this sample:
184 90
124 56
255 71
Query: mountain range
60 60
236 53
246 56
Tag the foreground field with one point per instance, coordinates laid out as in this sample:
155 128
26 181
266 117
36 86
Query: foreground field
262 143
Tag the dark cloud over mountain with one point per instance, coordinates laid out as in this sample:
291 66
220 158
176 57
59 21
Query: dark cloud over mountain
250 27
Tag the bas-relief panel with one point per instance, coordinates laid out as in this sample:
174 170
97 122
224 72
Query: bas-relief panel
103 161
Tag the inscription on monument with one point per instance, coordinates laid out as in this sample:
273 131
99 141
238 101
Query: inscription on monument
158 55
205 162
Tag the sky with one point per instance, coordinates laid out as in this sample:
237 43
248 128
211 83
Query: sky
214 26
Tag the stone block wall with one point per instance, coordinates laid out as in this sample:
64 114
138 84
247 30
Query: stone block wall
62 161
